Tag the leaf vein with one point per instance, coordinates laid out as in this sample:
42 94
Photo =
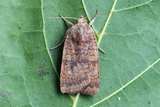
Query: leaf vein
127 83
45 40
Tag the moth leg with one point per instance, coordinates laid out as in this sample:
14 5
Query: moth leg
66 20
58 44
65 36
92 21
101 50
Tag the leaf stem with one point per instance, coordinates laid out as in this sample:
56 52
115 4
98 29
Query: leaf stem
75 100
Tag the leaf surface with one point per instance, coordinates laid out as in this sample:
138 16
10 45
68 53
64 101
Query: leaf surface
129 71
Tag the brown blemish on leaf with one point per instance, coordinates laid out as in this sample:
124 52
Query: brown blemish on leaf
99 33
41 71
5 95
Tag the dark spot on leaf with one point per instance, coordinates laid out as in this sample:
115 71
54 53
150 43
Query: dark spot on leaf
136 7
2 95
5 95
41 71
8 93
47 72
19 27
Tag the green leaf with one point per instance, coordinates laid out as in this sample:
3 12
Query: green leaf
129 71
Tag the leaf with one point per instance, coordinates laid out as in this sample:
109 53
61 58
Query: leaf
129 71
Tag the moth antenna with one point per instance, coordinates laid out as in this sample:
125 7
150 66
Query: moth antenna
60 17
99 14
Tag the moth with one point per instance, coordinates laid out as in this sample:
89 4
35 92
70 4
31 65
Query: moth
80 64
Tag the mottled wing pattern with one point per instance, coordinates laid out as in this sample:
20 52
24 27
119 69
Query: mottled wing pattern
72 80
80 66
93 68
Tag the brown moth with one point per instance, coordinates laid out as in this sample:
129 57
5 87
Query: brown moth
80 65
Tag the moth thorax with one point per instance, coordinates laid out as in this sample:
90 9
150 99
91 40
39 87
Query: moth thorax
80 34
81 20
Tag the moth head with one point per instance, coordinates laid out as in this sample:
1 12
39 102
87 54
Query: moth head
81 20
